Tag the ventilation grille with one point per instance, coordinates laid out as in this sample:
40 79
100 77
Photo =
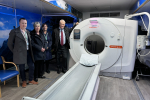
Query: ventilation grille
94 15
104 14
112 14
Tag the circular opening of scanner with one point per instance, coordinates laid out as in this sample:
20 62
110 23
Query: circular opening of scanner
94 44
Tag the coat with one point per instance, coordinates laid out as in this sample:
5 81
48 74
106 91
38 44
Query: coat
38 41
17 44
56 37
49 44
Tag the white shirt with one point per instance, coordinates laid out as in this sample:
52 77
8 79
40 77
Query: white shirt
64 36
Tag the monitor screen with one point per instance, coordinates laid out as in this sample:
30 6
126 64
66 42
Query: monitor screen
76 33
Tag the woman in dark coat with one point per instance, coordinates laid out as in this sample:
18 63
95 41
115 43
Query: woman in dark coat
48 38
39 45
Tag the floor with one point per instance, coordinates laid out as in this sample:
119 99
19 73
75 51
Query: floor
109 88
116 89
144 81
144 86
11 92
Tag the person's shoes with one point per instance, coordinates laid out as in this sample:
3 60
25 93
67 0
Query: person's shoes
48 71
64 71
42 77
58 70
24 84
33 82
36 79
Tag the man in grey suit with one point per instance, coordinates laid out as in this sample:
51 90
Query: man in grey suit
19 42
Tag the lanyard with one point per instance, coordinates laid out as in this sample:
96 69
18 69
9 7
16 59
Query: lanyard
45 35
26 36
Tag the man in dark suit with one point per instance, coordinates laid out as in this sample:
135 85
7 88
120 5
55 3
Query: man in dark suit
61 44
19 42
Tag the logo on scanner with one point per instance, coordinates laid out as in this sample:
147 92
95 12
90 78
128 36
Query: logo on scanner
115 46
94 26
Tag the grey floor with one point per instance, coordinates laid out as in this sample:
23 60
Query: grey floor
109 88
144 86
116 89
11 92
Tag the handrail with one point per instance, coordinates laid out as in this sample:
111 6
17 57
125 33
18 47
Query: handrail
138 14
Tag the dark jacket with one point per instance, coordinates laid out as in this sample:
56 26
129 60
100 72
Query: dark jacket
17 44
56 38
49 44
38 41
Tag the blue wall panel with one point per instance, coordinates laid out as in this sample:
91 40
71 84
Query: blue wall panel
49 21
137 5
145 8
8 21
31 18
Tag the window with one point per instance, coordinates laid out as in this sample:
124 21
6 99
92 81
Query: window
94 15
109 14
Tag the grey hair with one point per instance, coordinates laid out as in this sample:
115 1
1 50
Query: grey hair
62 20
36 23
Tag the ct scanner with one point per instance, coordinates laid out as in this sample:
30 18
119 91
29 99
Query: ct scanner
117 58
119 36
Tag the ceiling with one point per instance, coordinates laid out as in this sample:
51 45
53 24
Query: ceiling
35 6
101 5
39 7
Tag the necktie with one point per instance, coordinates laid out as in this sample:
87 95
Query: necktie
62 38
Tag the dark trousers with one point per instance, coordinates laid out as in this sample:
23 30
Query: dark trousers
47 67
62 50
39 69
31 68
